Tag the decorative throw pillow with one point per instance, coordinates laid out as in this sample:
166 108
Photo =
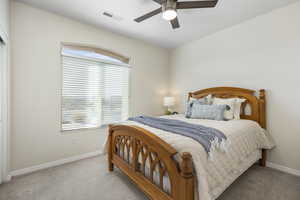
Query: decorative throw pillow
205 100
237 110
214 112
229 112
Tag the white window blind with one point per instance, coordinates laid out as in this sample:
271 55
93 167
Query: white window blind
95 90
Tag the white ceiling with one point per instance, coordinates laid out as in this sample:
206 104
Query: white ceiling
194 23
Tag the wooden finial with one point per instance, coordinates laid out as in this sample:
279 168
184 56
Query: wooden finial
186 165
190 95
110 126
262 94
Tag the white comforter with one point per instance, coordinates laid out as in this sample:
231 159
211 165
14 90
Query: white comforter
214 175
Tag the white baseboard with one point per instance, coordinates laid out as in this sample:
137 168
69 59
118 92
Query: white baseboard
54 163
284 168
7 179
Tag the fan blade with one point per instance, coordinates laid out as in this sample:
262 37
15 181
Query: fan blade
175 23
196 4
158 1
148 15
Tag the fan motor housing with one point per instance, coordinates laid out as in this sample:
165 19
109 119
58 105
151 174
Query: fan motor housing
169 5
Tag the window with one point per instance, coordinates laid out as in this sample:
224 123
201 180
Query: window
95 89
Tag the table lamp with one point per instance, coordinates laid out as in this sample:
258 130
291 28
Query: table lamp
168 102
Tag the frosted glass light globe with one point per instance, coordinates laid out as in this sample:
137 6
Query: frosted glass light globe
169 15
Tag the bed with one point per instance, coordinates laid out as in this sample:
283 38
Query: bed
166 166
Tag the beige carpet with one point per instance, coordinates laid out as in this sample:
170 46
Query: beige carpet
89 180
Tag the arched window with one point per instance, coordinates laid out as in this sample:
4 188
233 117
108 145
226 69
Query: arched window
95 89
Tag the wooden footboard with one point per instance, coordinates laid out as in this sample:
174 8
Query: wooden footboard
150 163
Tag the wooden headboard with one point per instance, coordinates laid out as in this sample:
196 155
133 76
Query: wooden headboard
257 104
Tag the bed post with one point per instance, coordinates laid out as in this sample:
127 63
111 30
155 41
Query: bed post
263 123
187 186
190 95
110 149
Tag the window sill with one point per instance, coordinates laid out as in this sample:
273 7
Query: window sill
66 131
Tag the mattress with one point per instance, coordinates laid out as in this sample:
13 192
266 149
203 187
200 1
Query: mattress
246 139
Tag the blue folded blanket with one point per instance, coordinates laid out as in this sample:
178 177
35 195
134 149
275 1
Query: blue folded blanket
208 137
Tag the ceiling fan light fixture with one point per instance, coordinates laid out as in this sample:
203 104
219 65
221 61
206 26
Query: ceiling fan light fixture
169 14
169 11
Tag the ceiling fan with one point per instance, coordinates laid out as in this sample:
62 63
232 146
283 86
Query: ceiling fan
169 9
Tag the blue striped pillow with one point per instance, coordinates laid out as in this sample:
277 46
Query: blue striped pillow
204 101
190 103
214 112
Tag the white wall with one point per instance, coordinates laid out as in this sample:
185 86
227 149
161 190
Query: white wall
261 53
36 83
4 71
4 17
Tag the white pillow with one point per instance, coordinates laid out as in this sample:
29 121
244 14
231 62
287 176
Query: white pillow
237 109
231 103
207 99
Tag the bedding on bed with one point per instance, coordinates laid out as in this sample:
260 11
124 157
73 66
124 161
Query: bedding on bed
213 176
209 138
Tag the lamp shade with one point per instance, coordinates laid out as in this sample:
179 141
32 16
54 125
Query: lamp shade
169 101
